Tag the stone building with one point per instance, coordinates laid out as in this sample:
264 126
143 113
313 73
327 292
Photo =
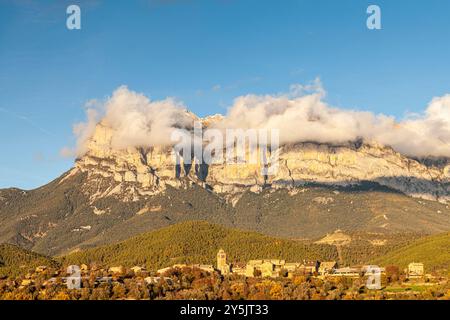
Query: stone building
265 267
137 269
415 269
347 272
291 267
203 267
308 267
327 267
117 270
239 268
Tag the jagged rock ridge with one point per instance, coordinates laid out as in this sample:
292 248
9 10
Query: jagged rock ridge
152 169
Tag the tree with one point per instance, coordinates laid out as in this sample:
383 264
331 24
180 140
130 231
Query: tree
118 291
392 273
61 296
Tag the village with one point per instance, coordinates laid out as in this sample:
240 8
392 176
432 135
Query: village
257 268
256 279
275 268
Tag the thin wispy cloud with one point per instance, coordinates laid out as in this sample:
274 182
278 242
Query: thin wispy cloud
231 86
243 82
297 71
27 120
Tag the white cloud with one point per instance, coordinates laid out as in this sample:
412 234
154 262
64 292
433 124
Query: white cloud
135 120
300 115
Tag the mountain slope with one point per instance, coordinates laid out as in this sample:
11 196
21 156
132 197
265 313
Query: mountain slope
198 242
433 251
15 260
79 211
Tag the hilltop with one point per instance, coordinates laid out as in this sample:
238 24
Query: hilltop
15 260
198 242
433 251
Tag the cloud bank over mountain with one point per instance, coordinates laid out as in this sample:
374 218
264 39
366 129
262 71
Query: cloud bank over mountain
135 120
301 115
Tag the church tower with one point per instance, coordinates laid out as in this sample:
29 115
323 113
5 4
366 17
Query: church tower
221 259
222 265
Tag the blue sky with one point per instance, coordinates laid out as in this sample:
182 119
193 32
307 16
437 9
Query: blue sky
204 53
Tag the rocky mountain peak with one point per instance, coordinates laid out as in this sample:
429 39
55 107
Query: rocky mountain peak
151 169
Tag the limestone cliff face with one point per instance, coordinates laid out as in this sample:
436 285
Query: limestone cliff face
150 170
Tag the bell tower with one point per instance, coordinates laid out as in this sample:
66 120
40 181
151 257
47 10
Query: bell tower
221 260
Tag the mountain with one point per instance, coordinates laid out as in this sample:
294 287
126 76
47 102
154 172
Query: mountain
113 194
153 169
433 251
198 242
15 260
61 216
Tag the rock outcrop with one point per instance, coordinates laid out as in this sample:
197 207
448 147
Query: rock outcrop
151 169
